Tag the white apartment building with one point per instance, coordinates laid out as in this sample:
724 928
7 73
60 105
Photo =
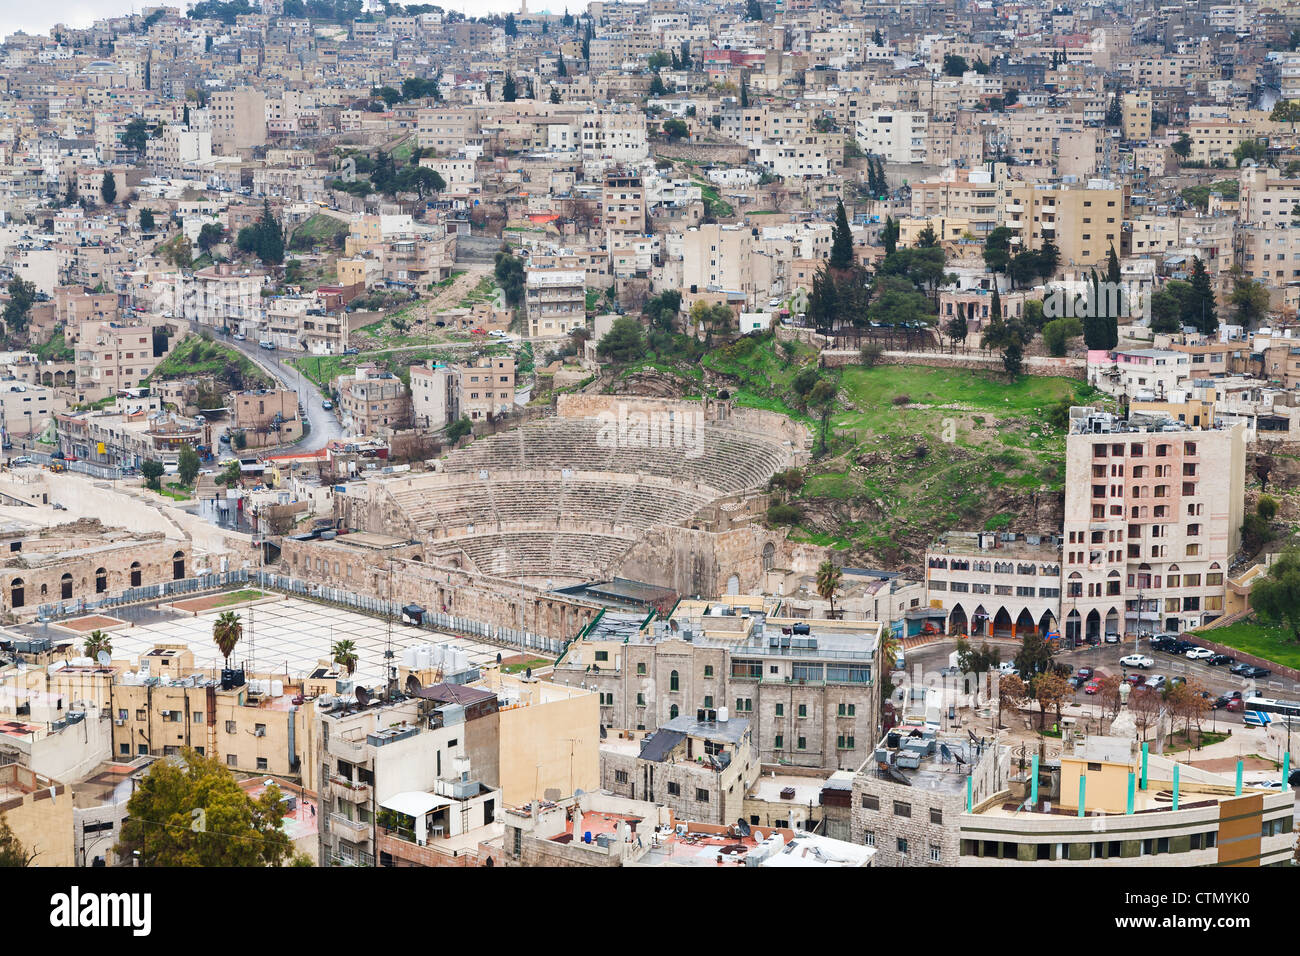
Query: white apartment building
897 135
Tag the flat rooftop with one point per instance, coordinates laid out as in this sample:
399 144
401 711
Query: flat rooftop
291 635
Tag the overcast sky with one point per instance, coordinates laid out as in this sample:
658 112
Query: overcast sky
38 17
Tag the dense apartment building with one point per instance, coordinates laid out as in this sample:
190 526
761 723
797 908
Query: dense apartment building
1153 514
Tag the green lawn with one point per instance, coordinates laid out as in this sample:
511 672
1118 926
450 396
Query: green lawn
239 597
321 229
1251 637
520 667
55 350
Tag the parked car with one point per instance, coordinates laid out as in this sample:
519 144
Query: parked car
21 460
1156 681
1200 654
1162 643
1218 660
326 404
1007 667
1182 647
1092 687
1256 672
1136 660
498 334
239 337
1224 700
1112 637
1137 680
352 350
1084 674
269 346
1239 668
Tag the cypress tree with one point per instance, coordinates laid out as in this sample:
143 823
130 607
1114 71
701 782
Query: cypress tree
841 240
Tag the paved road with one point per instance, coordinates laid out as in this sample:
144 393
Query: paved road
325 426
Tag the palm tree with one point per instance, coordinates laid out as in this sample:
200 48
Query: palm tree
226 632
345 654
828 582
97 641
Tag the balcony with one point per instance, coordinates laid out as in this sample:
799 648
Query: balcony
353 792
349 829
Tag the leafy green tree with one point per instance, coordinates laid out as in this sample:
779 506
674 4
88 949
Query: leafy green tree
1049 257
956 329
1034 313
1035 656
624 342
136 134
234 829
889 236
459 429
1254 149
108 188
13 855
926 238
509 272
210 235
675 129
1276 596
509 90
188 465
1114 114
226 633
1183 146
1058 332
954 65
17 311
1249 301
152 472
822 398
753 11
977 660
146 220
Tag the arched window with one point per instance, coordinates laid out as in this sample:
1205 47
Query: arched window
16 593
672 712
135 574
101 580
65 587
178 565
672 681
769 556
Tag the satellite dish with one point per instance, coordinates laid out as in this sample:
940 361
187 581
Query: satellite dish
363 697
579 792
743 827
412 684
104 658
528 672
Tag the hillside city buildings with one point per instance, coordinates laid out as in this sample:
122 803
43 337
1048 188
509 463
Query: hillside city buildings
513 379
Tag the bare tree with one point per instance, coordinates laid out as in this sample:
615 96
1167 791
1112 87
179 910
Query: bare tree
1146 706
1012 692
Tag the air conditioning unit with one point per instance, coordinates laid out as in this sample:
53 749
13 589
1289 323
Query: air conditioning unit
259 732
119 721
166 713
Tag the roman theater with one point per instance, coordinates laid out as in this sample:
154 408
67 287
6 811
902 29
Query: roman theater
670 493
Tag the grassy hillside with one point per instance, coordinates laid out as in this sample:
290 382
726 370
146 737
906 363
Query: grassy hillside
197 356
915 451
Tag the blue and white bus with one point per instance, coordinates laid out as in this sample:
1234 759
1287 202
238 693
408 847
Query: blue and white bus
1264 712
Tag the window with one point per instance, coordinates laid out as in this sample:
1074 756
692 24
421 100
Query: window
640 669
902 846
620 776
708 670
701 795
197 717
708 701
868 837
870 802
672 681
801 743
935 853
803 710
780 710
674 789
232 760
848 710
902 809
261 763
844 743
230 726
640 700
778 742
936 817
